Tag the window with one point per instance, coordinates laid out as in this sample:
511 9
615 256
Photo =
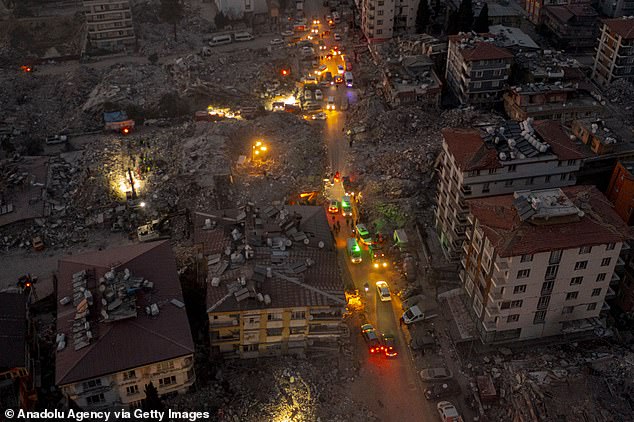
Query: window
530 180
581 265
92 384
601 277
272 332
132 390
473 173
479 74
494 84
380 2
605 262
165 366
591 306
551 272
575 281
298 330
96 399
540 317
513 318
572 295
563 176
379 22
555 257
379 31
526 258
567 309
250 347
380 13
596 292
512 168
128 375
298 315
610 246
547 179
519 289
571 162
523 273
508 183
276 316
516 303
543 302
493 171
164 382
485 188
547 287
585 249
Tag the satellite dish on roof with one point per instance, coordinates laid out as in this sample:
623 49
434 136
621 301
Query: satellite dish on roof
306 241
321 245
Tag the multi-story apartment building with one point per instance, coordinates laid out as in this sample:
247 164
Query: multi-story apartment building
615 53
539 263
572 27
377 19
534 7
283 293
617 8
477 70
405 16
556 101
498 161
621 191
109 24
121 324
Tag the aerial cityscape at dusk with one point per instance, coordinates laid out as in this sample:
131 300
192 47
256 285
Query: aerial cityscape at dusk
317 210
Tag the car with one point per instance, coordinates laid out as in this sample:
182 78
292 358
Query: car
435 374
330 105
310 79
314 30
278 106
322 45
315 64
448 412
442 390
306 51
277 41
389 344
383 290
364 234
318 95
328 18
340 69
328 56
321 69
56 139
337 177
319 116
287 33
327 77
338 79
333 207
371 338
337 37
413 314
316 20
308 95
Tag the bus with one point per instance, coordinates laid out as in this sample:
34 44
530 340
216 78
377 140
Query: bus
243 36
354 251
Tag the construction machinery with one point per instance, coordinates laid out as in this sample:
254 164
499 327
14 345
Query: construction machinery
157 229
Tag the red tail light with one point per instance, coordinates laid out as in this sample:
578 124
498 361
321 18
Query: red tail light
371 350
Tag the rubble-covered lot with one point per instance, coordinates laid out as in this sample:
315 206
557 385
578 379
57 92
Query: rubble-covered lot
278 389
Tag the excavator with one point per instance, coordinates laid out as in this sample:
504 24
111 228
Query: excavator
157 229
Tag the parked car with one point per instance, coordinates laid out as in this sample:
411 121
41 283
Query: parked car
287 33
318 95
364 234
340 69
319 116
277 41
413 314
371 338
333 207
56 139
448 412
383 290
442 390
435 374
338 79
337 37
389 343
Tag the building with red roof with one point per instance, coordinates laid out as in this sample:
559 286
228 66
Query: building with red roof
477 69
498 160
121 324
615 53
572 27
540 262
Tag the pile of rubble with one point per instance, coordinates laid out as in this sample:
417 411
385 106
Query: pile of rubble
281 388
621 93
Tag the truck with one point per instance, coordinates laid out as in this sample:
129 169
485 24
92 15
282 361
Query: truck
349 79
346 205
118 121
377 255
354 251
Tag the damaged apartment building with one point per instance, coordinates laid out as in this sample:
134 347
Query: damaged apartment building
109 24
381 19
121 324
539 263
273 282
499 160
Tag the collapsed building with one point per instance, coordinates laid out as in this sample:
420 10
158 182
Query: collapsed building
121 324
273 282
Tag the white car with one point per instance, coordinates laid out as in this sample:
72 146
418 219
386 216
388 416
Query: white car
337 37
340 69
277 41
318 95
383 290
319 116
448 412
287 34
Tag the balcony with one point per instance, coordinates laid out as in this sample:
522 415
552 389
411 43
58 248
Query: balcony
467 234
462 276
498 281
463 262
217 323
625 247
492 310
495 295
546 291
501 265
462 217
465 247
489 325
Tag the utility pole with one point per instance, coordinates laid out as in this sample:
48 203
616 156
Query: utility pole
132 183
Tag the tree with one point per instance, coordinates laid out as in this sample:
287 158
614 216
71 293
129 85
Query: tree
481 23
171 11
422 17
152 400
465 16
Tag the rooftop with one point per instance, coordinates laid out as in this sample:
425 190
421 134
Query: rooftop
510 143
12 331
623 26
530 222
24 181
600 130
412 73
509 36
479 47
569 12
549 65
142 319
272 257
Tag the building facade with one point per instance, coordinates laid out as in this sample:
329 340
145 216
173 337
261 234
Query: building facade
615 54
534 7
477 70
621 191
617 8
121 326
550 101
572 27
474 165
109 24
526 277
377 19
